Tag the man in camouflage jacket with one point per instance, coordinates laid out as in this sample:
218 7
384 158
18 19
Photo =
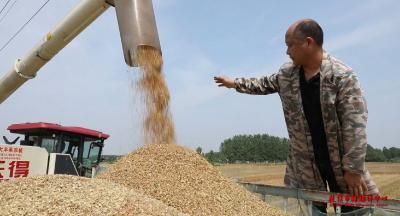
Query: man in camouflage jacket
343 111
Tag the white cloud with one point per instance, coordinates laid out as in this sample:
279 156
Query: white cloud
366 33
366 10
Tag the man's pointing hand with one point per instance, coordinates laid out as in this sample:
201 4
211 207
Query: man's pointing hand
224 81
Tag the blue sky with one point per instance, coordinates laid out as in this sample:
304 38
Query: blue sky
88 84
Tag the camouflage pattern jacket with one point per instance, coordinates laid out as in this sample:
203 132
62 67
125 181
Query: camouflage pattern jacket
344 113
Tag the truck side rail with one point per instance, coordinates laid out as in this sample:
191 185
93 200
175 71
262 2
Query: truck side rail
310 196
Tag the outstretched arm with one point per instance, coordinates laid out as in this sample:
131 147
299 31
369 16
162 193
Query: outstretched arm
261 86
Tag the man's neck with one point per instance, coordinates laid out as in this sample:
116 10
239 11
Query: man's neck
312 67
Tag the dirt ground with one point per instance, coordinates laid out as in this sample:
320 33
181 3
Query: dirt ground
386 175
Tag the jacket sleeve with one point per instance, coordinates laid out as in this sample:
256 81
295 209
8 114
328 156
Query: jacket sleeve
352 113
258 86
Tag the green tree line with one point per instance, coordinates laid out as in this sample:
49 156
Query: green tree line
267 148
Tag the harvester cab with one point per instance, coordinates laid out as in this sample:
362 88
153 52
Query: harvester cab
48 148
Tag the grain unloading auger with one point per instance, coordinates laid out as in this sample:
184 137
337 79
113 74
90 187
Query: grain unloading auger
137 28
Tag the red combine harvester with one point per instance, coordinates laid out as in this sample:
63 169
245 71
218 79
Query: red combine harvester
51 149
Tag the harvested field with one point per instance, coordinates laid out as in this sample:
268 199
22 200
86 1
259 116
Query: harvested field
183 179
386 175
71 195
256 173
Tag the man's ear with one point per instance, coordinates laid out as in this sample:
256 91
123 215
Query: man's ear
310 41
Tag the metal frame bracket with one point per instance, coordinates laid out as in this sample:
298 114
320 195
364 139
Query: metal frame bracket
18 71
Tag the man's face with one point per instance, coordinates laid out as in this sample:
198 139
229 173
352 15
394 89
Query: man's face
296 48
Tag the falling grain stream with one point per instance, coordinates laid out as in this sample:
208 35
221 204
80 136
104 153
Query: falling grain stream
158 126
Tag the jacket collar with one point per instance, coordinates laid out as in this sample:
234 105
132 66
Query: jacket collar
326 65
327 76
325 71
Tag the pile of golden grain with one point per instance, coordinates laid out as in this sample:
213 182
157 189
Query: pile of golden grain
183 179
71 195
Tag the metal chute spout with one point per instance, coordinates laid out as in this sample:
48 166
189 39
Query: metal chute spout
137 27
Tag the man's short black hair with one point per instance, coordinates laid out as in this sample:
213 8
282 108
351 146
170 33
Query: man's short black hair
310 28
